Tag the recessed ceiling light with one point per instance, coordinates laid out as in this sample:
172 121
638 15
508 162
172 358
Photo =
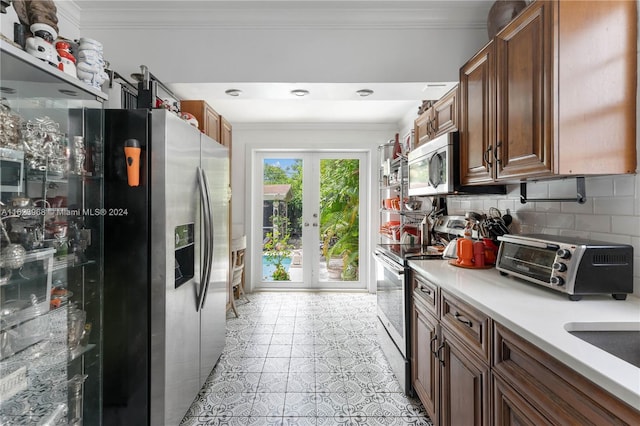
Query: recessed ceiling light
364 92
300 92
233 92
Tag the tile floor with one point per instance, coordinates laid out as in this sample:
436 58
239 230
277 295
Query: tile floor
304 359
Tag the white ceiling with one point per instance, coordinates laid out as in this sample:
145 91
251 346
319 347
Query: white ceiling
268 48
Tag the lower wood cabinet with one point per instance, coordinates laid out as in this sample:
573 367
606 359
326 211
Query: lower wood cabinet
425 365
532 382
468 369
451 380
465 384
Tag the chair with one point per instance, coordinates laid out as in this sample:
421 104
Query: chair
238 248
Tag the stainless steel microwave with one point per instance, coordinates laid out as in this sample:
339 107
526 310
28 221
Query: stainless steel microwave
11 170
434 169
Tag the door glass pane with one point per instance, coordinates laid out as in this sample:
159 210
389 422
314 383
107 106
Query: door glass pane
339 219
282 219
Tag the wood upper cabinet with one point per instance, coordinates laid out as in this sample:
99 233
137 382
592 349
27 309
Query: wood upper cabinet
440 118
422 127
225 133
553 94
524 113
477 117
208 118
445 113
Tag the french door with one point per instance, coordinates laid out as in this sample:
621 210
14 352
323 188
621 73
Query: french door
308 211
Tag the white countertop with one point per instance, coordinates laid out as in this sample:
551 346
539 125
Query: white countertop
539 315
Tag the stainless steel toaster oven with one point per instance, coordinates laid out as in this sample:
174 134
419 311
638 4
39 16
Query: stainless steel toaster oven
569 265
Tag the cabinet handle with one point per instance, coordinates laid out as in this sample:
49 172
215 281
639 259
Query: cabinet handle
425 290
495 152
487 156
462 319
433 351
438 353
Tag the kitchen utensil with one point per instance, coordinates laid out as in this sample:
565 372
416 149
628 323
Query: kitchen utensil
507 218
451 251
413 205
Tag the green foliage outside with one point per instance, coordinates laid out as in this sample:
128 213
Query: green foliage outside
277 248
339 218
339 215
274 175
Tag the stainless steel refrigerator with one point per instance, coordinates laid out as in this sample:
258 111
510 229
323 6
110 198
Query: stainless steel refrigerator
166 266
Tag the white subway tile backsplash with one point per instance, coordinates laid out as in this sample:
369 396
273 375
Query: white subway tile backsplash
573 233
593 223
611 238
611 212
628 225
505 204
562 221
550 207
573 207
612 205
599 186
624 185
531 218
537 190
564 188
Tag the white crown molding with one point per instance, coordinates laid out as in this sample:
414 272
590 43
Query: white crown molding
360 127
168 15
70 11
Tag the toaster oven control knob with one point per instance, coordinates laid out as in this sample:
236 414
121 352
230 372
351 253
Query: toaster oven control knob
563 254
557 281
559 266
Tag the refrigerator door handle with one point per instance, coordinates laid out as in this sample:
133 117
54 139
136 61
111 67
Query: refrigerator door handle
209 259
204 264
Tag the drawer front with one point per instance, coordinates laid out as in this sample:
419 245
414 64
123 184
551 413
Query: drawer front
427 292
468 324
553 389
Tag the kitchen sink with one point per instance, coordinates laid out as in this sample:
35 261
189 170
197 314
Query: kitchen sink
621 340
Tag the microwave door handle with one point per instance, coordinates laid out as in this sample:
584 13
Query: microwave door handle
435 181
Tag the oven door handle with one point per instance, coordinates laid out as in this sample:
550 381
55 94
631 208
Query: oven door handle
389 265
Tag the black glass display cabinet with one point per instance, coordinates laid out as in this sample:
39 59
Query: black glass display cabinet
51 244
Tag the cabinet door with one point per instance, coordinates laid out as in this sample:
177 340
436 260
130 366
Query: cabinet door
445 113
477 117
425 366
465 385
524 108
422 128
225 133
511 409
211 123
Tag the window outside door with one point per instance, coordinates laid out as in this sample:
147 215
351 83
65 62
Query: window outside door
311 220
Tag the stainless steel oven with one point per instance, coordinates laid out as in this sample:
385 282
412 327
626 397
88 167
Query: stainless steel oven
392 309
393 290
